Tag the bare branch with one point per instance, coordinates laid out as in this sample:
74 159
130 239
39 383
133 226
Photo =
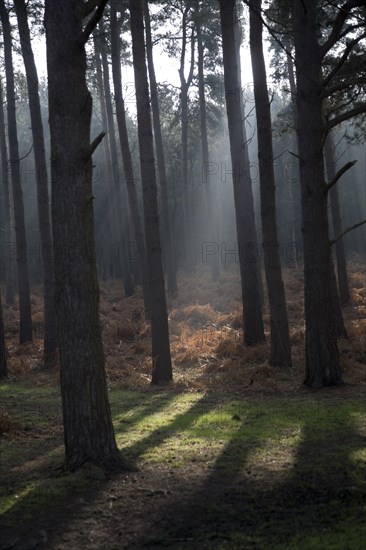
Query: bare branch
90 6
340 173
333 241
93 21
346 116
94 144
343 14
294 154
27 155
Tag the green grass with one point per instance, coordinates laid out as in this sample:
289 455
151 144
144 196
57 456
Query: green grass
292 471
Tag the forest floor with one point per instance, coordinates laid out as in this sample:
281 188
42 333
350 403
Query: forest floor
233 454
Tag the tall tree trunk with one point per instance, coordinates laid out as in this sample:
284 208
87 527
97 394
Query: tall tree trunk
8 235
243 196
126 154
238 38
116 187
25 313
162 367
211 214
185 83
171 270
114 262
3 353
88 428
322 358
335 206
50 331
280 335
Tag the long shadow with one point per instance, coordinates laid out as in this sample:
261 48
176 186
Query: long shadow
42 510
232 508
151 404
180 422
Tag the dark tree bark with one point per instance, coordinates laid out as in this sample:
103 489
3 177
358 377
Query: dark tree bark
88 428
50 331
335 206
3 352
115 264
210 208
126 154
118 206
185 83
25 333
322 358
280 335
243 196
8 235
167 233
162 367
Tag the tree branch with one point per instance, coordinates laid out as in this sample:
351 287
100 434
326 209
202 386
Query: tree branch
346 53
27 155
94 144
333 241
341 18
90 6
93 21
340 173
346 116
359 80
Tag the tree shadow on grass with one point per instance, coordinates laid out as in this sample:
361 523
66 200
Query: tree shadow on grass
47 504
316 500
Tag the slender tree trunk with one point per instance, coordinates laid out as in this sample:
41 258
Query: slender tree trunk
50 331
211 213
243 196
8 240
116 187
238 38
114 262
322 358
25 334
126 154
335 206
340 327
3 352
171 270
185 83
280 335
88 428
162 367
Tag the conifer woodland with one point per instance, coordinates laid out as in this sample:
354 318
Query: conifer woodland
183 274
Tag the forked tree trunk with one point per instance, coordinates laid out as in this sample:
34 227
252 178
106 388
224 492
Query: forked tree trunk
343 286
167 233
88 428
8 234
162 367
25 313
243 196
3 353
322 358
50 331
280 335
